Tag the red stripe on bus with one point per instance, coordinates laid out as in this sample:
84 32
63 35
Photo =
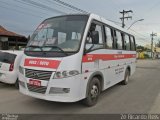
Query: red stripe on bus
105 57
42 63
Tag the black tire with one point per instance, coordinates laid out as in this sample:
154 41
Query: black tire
17 84
93 92
126 77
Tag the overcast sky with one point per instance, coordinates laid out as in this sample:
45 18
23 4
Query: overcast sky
21 17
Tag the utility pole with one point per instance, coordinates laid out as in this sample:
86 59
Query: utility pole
123 16
152 37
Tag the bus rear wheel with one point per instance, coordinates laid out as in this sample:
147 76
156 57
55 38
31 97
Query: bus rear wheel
93 93
126 77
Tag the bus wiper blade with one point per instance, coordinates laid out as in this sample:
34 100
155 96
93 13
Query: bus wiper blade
58 48
35 46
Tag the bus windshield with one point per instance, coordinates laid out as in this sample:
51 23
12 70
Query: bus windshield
59 35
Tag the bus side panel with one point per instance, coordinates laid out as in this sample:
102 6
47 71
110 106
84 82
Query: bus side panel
103 59
113 62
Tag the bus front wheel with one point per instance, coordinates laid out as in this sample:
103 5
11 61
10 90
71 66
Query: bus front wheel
93 92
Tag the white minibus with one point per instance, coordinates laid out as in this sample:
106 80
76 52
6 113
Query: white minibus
75 57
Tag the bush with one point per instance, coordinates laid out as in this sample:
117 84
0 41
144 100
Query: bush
146 56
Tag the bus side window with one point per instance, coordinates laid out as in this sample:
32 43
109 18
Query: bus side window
119 40
132 43
109 39
126 42
123 41
89 41
114 39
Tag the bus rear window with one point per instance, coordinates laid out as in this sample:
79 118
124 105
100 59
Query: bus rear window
7 57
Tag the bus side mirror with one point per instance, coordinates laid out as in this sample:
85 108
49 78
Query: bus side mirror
95 37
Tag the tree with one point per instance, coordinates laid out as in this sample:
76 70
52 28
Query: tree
139 47
142 48
158 44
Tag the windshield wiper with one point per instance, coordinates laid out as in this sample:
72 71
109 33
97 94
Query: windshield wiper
35 46
57 47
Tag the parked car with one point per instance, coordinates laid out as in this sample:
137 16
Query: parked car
9 65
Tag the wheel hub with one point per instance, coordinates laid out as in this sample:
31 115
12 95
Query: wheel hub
94 91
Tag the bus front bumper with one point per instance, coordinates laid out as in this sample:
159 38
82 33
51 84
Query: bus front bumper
59 90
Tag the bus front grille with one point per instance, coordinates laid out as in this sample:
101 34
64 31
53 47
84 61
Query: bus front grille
37 89
38 74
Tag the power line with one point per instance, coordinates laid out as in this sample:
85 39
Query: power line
150 9
15 10
60 3
17 6
138 33
28 4
21 2
43 6
53 2
70 6
114 21
140 41
141 37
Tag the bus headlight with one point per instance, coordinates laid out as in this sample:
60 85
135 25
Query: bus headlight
21 70
64 74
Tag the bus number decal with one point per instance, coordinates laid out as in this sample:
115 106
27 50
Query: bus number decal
42 63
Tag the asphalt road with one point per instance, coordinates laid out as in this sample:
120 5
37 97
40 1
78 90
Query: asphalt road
141 95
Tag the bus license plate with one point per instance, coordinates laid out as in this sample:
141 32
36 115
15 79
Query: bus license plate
35 82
